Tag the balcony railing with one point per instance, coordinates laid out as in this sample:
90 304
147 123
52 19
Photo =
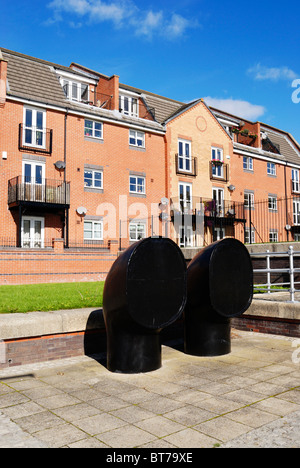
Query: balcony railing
53 192
208 207
186 165
218 170
35 139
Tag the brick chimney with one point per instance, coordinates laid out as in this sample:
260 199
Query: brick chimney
3 77
108 91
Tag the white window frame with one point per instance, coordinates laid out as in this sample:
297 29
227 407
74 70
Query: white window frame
186 236
34 165
137 138
247 236
137 231
217 154
273 235
35 131
296 212
128 104
93 231
184 155
139 183
32 237
295 181
249 197
93 179
218 195
71 83
248 163
272 202
185 196
93 129
271 168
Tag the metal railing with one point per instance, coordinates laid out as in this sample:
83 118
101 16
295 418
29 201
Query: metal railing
270 287
185 165
24 189
35 139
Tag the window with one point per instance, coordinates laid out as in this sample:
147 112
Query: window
137 184
34 131
185 236
137 231
128 105
32 235
249 236
93 179
218 197
247 163
295 181
137 138
296 212
272 202
271 169
273 235
217 162
249 199
33 172
75 91
93 129
93 230
184 156
185 196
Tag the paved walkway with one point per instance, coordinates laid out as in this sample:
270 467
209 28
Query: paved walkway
249 398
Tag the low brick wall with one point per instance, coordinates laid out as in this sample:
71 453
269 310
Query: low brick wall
277 318
46 336
54 266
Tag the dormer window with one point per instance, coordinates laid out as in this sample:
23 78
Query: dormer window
75 91
76 87
129 104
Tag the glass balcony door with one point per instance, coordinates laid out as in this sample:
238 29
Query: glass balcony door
33 181
32 232
185 197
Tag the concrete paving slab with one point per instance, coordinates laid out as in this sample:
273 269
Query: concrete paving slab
250 397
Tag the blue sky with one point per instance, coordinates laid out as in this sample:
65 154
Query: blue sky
243 57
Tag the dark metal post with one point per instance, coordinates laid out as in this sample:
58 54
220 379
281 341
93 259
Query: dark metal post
144 292
219 287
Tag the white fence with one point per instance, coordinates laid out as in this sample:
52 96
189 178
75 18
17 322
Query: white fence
271 287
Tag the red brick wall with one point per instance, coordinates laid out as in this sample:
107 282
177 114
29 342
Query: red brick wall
50 266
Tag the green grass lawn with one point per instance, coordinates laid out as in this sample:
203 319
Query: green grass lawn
45 297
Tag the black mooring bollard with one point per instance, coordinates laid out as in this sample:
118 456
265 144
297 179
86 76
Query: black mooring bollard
144 292
220 286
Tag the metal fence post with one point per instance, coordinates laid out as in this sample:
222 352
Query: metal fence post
292 283
269 272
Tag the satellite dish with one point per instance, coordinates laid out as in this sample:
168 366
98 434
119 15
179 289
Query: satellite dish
164 202
60 165
81 211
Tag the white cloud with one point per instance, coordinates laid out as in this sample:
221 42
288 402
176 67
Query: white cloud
260 72
122 13
236 107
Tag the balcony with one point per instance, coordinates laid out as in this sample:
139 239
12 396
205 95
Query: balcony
218 171
48 193
212 210
38 140
186 165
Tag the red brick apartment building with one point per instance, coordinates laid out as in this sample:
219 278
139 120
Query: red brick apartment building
87 163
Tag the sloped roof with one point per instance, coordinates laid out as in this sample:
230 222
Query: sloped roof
37 81
289 149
